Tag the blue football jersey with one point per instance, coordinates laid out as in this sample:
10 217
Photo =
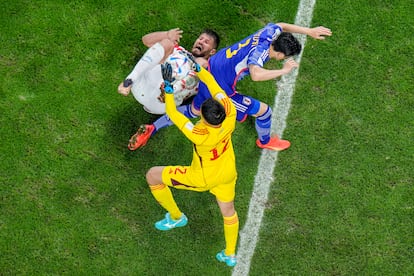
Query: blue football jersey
231 64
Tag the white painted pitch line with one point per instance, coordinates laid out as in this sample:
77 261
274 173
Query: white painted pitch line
249 235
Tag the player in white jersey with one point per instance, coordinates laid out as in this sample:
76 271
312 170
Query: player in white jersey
145 79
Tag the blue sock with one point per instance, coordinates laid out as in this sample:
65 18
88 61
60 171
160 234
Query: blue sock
186 110
164 120
263 124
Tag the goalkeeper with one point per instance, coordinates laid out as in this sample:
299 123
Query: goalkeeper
213 167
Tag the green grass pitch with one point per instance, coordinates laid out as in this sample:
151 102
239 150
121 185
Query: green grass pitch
74 201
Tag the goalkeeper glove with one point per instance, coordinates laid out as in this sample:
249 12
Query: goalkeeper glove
166 71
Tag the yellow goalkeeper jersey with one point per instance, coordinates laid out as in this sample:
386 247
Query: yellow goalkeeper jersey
213 154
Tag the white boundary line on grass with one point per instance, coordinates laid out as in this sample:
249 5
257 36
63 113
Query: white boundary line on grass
249 235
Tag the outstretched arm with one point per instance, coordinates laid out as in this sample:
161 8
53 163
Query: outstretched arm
216 91
319 32
181 121
258 73
174 35
206 77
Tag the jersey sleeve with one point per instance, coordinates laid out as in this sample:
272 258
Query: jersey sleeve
195 134
206 77
260 54
217 92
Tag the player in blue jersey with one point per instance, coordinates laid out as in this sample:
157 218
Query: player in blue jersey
247 57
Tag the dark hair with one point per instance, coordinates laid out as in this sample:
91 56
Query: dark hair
213 112
287 44
214 35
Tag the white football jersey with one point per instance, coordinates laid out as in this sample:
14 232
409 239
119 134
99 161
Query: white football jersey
146 85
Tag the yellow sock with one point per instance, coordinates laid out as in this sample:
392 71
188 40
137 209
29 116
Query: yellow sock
231 233
163 195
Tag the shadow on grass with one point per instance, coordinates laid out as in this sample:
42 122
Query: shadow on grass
124 122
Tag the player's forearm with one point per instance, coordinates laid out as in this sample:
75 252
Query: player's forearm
217 92
171 109
206 77
290 28
174 35
260 74
152 38
181 121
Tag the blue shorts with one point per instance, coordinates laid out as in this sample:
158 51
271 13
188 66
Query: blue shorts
245 105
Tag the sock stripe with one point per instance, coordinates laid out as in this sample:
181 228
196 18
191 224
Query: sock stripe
265 115
231 220
157 187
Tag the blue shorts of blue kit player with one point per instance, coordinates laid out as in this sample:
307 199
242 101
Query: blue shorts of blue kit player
245 105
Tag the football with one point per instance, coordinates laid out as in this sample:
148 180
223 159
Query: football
185 78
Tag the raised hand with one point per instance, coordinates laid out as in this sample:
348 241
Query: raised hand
289 64
175 35
166 71
320 32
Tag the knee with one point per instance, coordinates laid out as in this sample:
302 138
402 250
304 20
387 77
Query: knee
263 107
227 209
150 176
264 110
154 175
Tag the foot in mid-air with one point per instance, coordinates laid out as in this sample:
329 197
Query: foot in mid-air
141 137
229 260
168 223
274 143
